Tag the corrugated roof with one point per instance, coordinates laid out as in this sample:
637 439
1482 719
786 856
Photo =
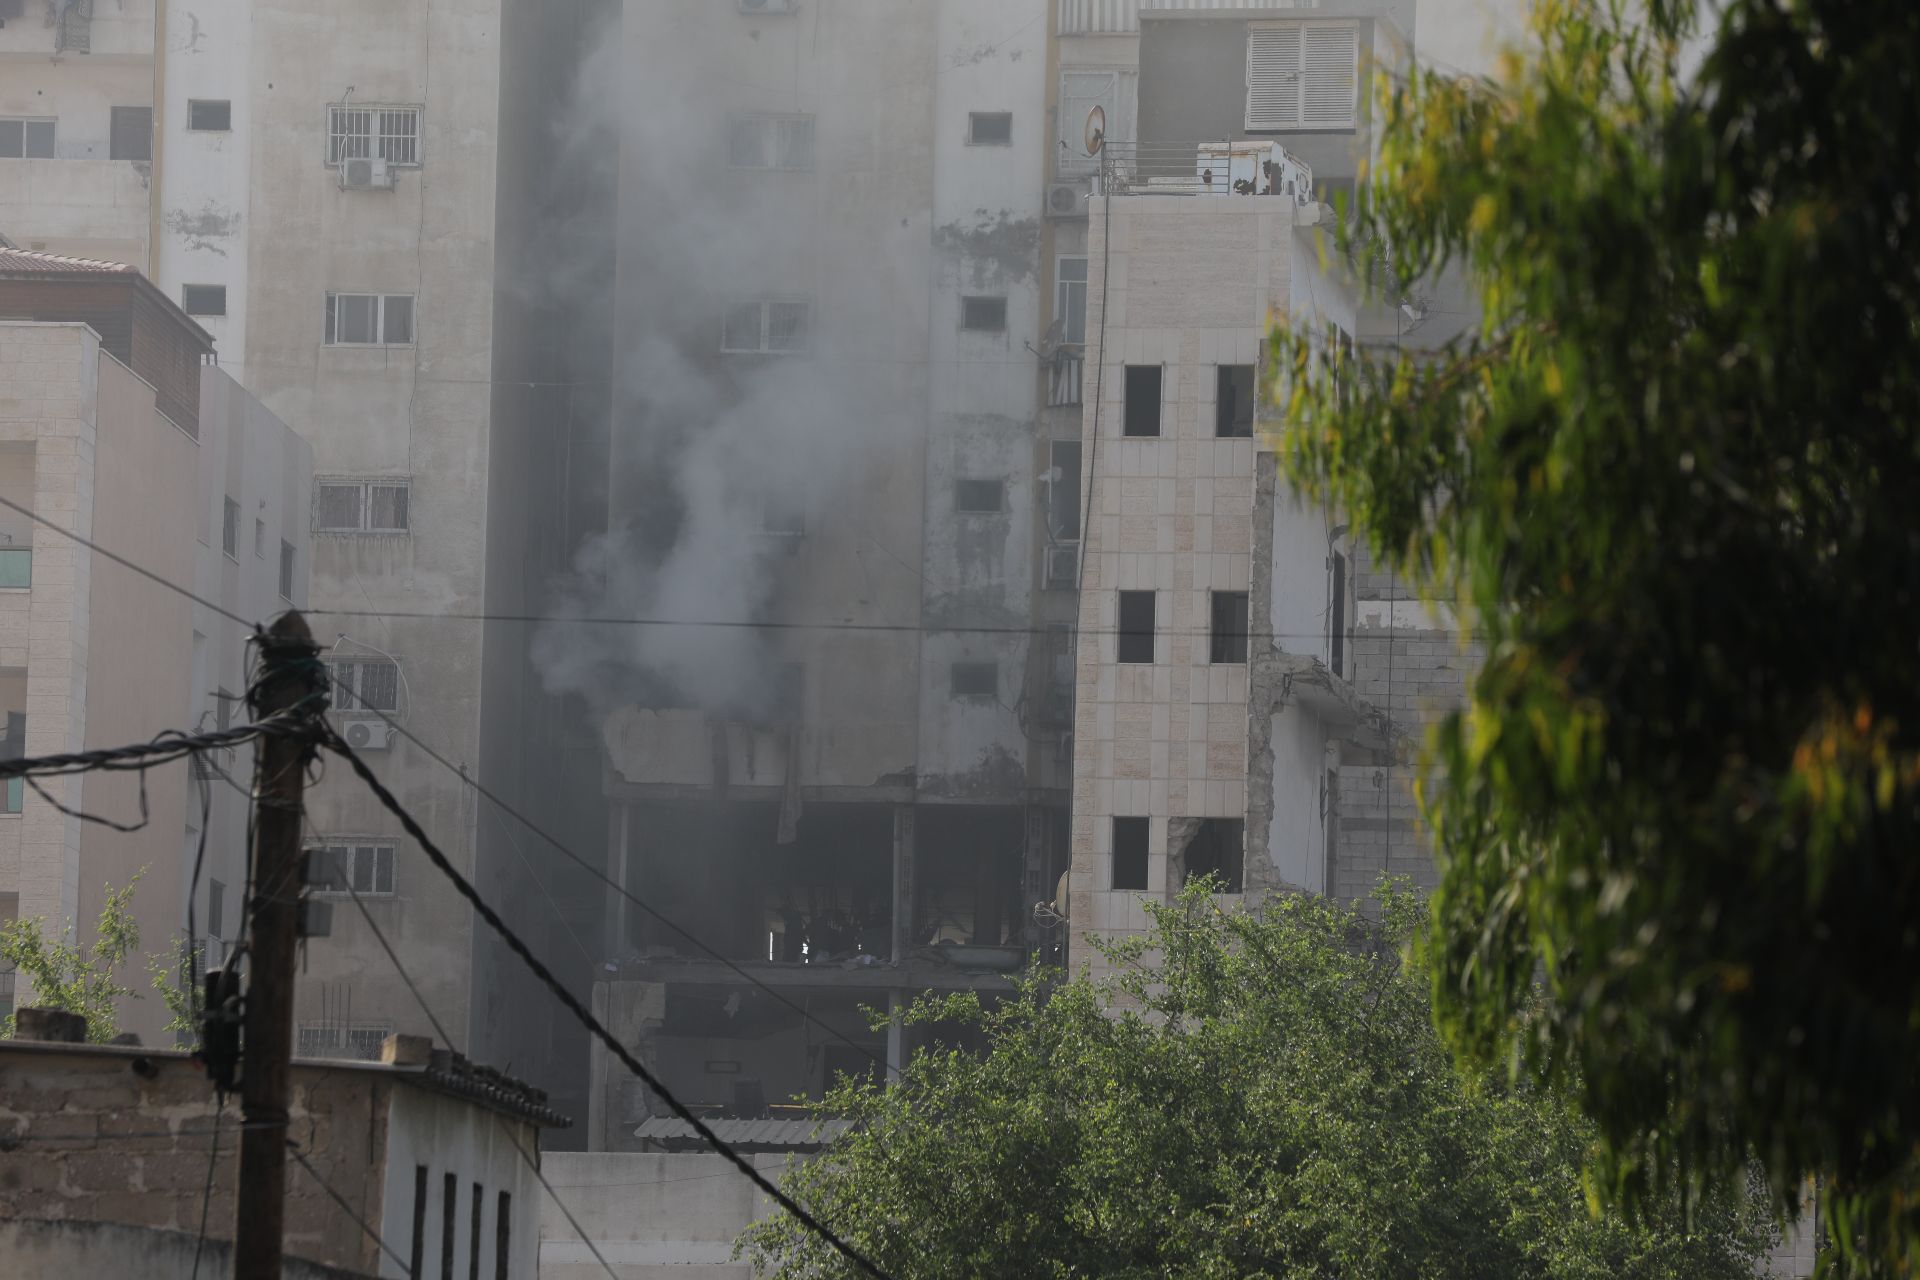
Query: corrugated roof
788 1134
26 261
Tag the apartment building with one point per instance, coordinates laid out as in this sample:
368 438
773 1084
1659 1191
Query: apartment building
111 426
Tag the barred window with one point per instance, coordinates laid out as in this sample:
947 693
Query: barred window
362 867
390 133
365 684
362 506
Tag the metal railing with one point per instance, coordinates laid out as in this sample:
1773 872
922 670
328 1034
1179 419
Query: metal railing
1228 168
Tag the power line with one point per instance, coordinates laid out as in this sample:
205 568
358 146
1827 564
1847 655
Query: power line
585 1017
337 1198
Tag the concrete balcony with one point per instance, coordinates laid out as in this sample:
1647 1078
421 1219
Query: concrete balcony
75 202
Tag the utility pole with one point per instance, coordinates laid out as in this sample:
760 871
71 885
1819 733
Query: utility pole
290 676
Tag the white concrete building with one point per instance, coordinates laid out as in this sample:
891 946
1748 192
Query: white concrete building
115 429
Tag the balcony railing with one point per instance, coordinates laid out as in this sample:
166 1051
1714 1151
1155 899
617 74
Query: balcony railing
1230 168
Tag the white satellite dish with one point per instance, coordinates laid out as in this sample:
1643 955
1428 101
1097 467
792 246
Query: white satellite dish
1096 132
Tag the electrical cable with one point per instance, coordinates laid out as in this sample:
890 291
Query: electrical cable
585 1017
206 1192
337 1198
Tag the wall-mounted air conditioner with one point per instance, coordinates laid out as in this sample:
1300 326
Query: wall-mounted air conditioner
365 174
1066 199
1063 565
367 735
768 6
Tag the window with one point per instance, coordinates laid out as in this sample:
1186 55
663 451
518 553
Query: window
203 299
259 538
418 1254
980 680
1302 75
26 139
473 1233
286 570
1142 417
502 1235
331 1040
373 132
987 314
130 134
16 567
216 909
1129 853
1070 299
13 746
1063 490
766 325
1233 401
1136 626
365 684
209 115
770 142
362 506
223 701
230 529
1337 616
1080 92
1216 850
979 497
1229 633
369 319
365 868
990 128
449 1210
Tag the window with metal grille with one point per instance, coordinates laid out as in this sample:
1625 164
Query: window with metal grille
763 141
286 570
1130 853
1142 408
327 1040
1063 490
1229 632
369 319
365 684
977 680
26 139
1233 401
980 497
131 134
1070 299
370 131
230 529
1136 626
1302 75
216 909
770 325
990 128
362 867
203 299
985 314
362 506
209 115
1217 850
259 539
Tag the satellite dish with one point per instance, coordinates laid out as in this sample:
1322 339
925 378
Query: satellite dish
1096 129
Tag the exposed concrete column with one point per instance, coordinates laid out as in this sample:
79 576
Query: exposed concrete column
903 896
620 870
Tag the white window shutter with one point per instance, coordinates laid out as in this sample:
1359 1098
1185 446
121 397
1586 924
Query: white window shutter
1330 77
1273 76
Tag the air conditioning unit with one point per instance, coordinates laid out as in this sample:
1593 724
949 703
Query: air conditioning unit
768 6
1063 564
367 735
1066 199
366 174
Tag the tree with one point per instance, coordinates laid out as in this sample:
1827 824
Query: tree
1252 1095
68 979
1672 482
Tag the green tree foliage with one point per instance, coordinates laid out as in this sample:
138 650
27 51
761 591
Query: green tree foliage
1673 481
65 977
1252 1096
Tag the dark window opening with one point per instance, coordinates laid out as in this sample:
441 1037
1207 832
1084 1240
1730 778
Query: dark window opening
1063 490
207 115
130 135
1233 401
990 128
1142 417
987 315
1136 626
1337 617
1229 635
449 1210
22 139
417 1255
974 680
1130 853
979 496
473 1233
1215 850
503 1235
203 299
216 909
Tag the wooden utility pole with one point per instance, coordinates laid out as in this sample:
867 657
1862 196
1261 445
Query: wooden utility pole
290 673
